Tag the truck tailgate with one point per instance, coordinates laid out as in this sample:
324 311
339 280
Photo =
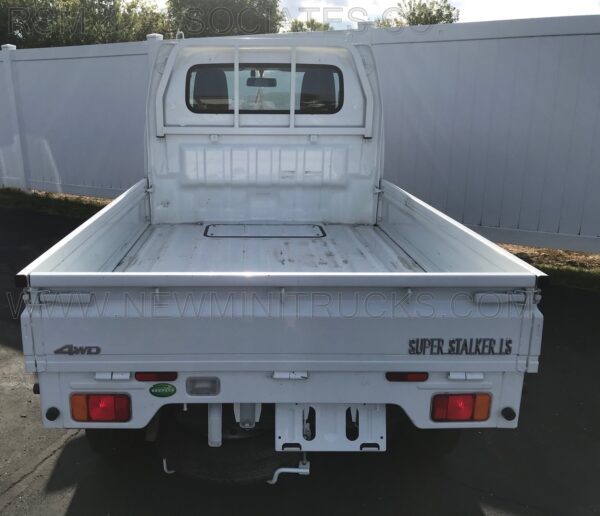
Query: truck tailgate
325 329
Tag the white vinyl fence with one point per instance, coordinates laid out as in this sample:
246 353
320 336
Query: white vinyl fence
496 123
72 118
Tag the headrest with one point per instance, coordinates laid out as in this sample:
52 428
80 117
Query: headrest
317 94
210 90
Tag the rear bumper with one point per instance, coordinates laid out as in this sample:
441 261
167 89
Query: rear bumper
260 387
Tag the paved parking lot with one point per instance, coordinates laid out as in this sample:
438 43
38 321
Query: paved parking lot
550 465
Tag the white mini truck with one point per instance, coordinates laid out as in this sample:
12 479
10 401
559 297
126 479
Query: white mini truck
265 291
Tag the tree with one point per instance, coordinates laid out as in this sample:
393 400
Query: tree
309 26
225 17
46 23
421 12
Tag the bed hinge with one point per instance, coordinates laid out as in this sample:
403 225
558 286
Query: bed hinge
491 297
69 298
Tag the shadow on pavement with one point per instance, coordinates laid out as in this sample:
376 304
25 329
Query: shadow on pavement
25 235
549 465
340 483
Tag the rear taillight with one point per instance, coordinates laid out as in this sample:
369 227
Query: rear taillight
101 407
460 407
157 376
406 377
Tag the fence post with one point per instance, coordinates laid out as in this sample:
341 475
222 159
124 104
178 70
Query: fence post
16 175
153 41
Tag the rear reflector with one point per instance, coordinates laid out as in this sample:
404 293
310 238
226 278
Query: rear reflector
158 376
406 377
460 407
481 411
101 407
79 411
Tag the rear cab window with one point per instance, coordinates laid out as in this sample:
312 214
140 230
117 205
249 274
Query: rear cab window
265 88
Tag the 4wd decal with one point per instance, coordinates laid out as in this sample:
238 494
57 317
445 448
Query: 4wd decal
69 349
460 346
163 390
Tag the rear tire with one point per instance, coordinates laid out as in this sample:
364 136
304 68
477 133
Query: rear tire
247 459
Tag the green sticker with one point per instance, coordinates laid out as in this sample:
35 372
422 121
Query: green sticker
163 390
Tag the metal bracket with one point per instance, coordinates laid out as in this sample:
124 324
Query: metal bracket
290 375
307 427
247 414
166 468
302 469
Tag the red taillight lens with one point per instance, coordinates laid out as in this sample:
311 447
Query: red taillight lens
406 377
158 376
460 407
101 407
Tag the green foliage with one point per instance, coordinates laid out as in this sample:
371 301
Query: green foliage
421 12
309 26
225 17
386 23
44 23
56 204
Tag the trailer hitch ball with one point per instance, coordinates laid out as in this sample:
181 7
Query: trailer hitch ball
52 414
508 413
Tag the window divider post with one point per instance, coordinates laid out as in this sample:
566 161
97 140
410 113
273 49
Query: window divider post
293 89
236 88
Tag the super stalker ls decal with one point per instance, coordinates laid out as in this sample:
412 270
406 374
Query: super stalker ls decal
460 346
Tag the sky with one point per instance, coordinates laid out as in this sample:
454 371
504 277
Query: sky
341 11
343 14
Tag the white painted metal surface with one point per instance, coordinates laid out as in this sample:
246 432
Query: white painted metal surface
99 243
413 245
185 247
303 167
235 292
292 434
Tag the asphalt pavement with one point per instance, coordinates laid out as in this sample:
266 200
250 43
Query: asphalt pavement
549 465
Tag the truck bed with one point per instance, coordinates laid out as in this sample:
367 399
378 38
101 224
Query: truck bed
339 248
410 245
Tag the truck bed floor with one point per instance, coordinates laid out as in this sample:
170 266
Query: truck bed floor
344 248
